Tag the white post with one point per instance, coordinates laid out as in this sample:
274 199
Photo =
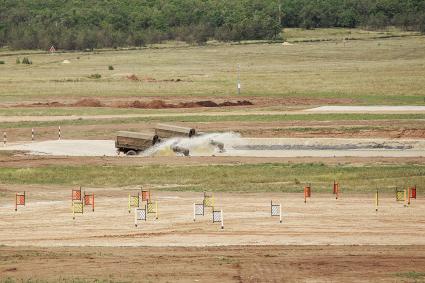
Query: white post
135 216
280 213
59 132
32 134
239 80
194 212
222 219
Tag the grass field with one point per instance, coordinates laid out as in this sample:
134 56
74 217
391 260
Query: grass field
370 70
225 178
220 118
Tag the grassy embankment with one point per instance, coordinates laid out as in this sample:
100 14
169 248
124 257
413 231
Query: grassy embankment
231 178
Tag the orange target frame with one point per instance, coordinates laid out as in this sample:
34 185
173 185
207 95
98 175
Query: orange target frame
307 193
19 200
89 200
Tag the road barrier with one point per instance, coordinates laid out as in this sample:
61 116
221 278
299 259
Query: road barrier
208 200
19 200
76 194
140 214
198 209
133 201
276 210
152 207
89 200
77 207
307 193
217 216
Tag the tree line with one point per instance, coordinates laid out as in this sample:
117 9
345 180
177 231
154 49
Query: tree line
82 24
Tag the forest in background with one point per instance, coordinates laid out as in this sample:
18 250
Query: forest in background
83 24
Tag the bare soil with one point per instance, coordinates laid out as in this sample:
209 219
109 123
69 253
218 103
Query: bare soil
94 101
19 160
217 264
47 220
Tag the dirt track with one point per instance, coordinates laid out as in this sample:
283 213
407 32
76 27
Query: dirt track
218 264
47 221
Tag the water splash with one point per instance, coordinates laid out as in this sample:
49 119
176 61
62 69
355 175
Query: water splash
203 145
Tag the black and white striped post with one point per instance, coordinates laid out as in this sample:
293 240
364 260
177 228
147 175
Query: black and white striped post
32 134
4 138
59 132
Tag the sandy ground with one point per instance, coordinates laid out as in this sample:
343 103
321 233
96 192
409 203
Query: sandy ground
217 264
47 221
367 109
248 147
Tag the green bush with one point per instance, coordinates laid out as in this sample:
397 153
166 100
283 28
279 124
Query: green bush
27 61
18 61
110 67
2 62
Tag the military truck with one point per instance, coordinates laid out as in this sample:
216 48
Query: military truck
164 131
132 143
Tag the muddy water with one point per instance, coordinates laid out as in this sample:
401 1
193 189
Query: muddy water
234 145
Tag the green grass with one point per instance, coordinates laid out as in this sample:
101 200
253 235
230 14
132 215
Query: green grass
338 34
219 118
244 178
373 71
412 275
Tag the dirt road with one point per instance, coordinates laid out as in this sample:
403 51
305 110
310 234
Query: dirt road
47 221
217 264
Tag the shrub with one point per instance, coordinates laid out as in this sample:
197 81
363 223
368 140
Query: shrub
110 67
27 61
2 62
95 76
18 61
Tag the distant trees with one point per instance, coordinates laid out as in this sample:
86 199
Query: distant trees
79 24
406 14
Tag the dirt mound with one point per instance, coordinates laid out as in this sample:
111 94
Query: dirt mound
154 104
44 104
88 102
160 104
133 77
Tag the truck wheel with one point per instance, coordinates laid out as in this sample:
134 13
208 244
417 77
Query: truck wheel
131 152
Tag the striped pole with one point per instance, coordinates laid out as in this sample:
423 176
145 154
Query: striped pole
194 212
129 204
32 134
135 216
4 139
376 200
222 219
59 132
405 198
408 195
156 210
280 213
